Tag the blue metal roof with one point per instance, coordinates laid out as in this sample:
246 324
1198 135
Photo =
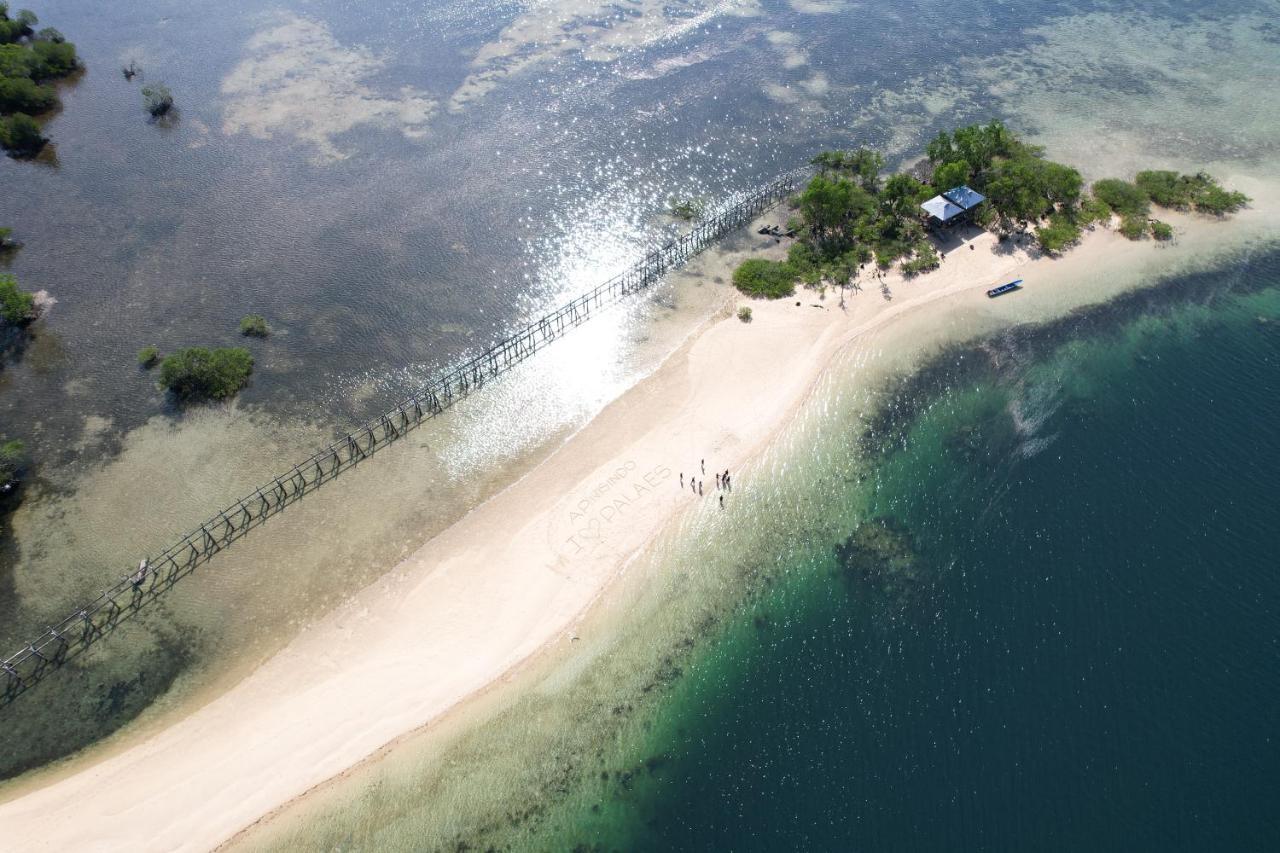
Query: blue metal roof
964 198
942 209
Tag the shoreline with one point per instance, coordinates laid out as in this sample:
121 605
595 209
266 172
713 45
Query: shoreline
552 562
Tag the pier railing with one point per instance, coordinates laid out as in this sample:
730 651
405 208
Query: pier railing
156 575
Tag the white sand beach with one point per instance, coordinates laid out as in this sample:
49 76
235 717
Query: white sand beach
517 574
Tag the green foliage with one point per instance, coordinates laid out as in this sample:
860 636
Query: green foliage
941 149
926 258
1060 232
20 26
26 61
744 313
1093 209
148 356
849 217
1123 197
157 99
1133 227
888 253
17 307
1026 188
951 175
1218 201
1199 191
769 279
806 262
861 164
199 374
54 58
900 199
1167 189
977 145
254 325
24 95
831 206
1162 231
20 134
13 459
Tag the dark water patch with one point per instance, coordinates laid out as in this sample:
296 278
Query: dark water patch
1096 665
98 693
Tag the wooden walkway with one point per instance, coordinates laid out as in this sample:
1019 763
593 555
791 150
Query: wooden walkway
98 618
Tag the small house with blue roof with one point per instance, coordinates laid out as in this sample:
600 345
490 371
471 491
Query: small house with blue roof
953 206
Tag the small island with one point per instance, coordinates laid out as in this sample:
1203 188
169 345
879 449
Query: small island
848 216
29 60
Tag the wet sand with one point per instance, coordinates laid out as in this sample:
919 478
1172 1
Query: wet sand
518 572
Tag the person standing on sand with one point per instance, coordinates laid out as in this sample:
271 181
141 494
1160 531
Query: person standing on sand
682 479
693 487
722 501
717 479
699 488
703 463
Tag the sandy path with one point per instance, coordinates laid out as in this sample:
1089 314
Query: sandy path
490 591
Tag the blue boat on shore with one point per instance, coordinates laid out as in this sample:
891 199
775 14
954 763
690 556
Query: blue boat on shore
1004 288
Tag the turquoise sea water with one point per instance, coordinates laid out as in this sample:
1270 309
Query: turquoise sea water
1057 628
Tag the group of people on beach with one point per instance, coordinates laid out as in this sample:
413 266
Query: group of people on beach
724 482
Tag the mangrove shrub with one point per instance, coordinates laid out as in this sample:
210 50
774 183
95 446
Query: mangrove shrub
17 307
1124 198
254 325
13 458
197 373
769 279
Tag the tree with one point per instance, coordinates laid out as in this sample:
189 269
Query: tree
158 99
865 164
1026 188
901 196
1218 201
1122 197
979 145
20 134
197 373
951 175
1165 188
24 95
830 206
15 61
25 21
941 149
17 307
54 59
